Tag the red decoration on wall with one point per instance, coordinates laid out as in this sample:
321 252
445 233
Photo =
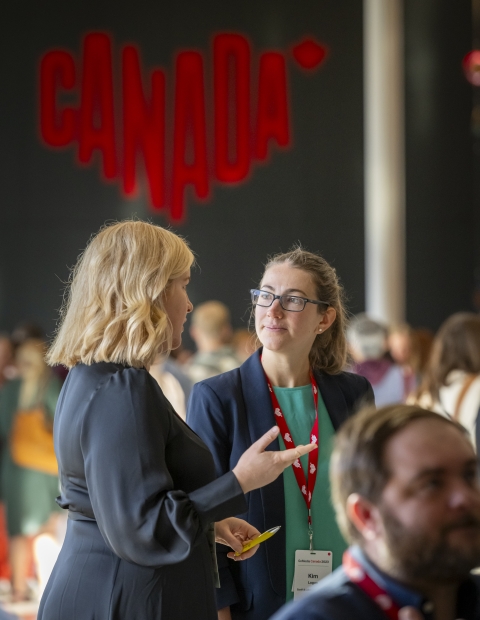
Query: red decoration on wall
272 116
143 127
231 70
309 54
97 114
57 125
190 135
249 114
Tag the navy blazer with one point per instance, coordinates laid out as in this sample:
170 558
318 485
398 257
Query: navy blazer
230 412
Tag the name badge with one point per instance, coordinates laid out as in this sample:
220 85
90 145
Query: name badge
310 568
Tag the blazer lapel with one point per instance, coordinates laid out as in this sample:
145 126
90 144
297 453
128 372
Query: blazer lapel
260 419
333 398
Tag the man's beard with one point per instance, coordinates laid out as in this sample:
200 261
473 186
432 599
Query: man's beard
415 556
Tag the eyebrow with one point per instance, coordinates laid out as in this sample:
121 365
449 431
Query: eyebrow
441 470
288 291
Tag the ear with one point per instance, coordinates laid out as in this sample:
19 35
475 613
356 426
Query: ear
364 516
326 319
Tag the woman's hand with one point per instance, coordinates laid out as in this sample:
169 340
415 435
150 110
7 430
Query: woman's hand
235 533
258 467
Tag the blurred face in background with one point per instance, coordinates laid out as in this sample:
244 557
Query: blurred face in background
400 346
6 353
30 360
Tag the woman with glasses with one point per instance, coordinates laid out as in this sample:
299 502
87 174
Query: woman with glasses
295 379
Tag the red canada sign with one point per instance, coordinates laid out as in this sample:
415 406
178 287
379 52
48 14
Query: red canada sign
199 143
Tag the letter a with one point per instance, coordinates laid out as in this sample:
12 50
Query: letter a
97 120
272 115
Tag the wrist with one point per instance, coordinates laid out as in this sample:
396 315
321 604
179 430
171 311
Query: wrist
241 478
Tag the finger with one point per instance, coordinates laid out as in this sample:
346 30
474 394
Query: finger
232 541
243 556
288 456
409 613
266 440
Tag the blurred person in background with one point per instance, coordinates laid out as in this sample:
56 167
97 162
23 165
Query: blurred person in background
26 330
402 347
423 343
29 471
7 367
451 385
367 340
295 380
407 497
170 385
244 344
212 332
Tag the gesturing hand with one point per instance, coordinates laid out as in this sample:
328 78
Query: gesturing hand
235 533
258 467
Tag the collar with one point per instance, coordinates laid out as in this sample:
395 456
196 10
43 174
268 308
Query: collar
467 600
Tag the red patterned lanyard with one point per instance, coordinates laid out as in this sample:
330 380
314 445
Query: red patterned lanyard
357 574
306 487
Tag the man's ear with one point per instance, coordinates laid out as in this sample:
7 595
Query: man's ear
364 515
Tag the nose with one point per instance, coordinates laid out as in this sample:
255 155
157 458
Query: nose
275 309
463 495
189 306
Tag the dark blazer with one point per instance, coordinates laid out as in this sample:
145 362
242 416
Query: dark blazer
141 491
230 412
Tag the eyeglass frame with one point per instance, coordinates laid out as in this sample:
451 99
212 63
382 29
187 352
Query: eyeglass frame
279 297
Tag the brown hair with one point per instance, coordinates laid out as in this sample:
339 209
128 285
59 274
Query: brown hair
455 347
114 308
329 350
358 464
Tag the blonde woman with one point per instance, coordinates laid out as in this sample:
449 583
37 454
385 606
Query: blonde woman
138 484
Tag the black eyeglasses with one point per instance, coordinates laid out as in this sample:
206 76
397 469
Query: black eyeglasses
291 303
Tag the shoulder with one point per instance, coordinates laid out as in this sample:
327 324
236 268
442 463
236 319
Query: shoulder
122 385
334 597
224 388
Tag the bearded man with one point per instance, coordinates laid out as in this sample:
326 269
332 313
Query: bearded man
406 492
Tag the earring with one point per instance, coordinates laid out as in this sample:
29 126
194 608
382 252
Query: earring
319 331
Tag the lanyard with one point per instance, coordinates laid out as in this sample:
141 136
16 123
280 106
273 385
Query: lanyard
357 574
306 486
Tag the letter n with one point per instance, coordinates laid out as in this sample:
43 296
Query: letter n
231 54
97 119
143 127
57 127
272 114
190 140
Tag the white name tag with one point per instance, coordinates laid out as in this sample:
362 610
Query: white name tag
310 567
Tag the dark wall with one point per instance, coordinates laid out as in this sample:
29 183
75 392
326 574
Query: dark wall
441 214
312 192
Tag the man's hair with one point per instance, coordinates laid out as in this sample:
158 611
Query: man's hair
211 318
113 309
358 460
369 337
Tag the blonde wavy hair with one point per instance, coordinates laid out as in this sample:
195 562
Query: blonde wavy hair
113 308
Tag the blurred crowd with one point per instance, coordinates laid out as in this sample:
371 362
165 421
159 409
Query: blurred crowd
403 364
